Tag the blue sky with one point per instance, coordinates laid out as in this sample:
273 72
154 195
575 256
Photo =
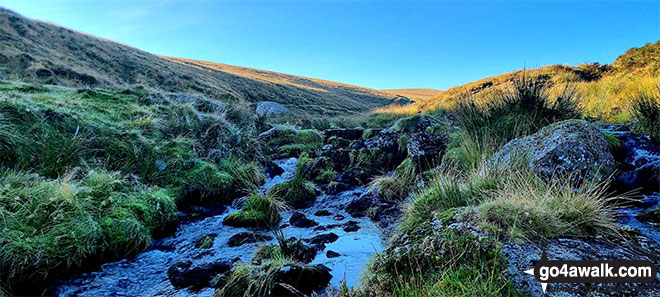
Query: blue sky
378 44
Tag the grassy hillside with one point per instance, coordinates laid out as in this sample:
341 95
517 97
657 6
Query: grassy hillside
418 94
34 51
604 91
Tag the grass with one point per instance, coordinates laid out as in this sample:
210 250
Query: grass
258 210
55 225
526 208
398 186
646 113
290 142
296 193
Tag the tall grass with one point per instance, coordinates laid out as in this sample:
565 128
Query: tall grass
646 112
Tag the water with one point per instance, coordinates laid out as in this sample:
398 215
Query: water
146 273
641 156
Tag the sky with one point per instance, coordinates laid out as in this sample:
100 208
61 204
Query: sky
377 44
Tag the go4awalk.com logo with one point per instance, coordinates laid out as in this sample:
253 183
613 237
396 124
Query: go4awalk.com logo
592 271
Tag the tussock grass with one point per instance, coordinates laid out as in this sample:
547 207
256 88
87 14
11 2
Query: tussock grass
290 142
526 208
398 186
296 192
258 210
646 113
55 225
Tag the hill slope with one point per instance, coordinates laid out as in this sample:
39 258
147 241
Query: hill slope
604 89
41 52
419 94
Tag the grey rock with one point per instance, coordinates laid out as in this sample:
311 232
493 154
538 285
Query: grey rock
269 108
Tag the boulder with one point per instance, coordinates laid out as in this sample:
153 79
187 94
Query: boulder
305 279
358 207
301 221
351 226
247 237
414 124
322 213
426 149
269 108
323 238
348 133
272 169
184 274
572 148
332 254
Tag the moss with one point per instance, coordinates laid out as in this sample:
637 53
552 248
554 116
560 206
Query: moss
258 211
205 242
297 192
615 145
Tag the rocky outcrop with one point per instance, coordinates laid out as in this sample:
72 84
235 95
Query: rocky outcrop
426 149
573 148
348 134
269 108
184 274
415 124
305 279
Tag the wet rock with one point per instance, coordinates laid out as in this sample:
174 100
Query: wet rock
355 176
338 156
327 227
639 167
348 133
323 238
524 256
269 108
426 149
193 212
651 216
312 169
338 217
572 148
351 226
247 237
322 213
293 248
305 279
358 207
272 169
206 241
301 221
184 274
332 254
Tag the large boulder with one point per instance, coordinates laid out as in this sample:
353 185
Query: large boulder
269 108
184 274
572 148
305 279
426 149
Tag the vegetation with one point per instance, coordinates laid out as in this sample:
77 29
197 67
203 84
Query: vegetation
258 210
290 142
646 113
53 225
296 192
397 187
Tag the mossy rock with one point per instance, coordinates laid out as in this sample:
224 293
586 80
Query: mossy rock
297 193
414 124
651 215
258 211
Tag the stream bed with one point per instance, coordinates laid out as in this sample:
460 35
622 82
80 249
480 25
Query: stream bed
146 273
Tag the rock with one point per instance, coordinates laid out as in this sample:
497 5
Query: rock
312 169
305 279
272 169
524 256
351 226
332 254
358 207
338 156
414 124
323 238
326 227
269 108
387 141
247 237
355 176
322 213
301 221
572 148
206 241
295 249
425 149
184 274
338 217
347 133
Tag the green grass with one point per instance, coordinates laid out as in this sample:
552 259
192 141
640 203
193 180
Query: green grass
51 226
104 168
398 186
258 210
646 113
291 142
296 192
519 111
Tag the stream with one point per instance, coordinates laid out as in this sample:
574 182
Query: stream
146 273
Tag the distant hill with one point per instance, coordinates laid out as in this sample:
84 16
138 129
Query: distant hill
419 94
604 89
36 51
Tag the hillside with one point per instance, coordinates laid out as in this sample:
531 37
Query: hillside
417 94
604 90
40 52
